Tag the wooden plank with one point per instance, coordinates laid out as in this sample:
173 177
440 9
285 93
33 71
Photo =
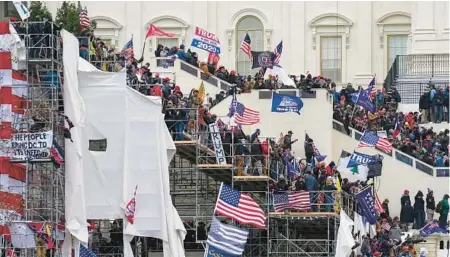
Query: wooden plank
251 178
215 166
185 142
302 214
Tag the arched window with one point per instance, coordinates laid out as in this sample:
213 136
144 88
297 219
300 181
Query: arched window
254 27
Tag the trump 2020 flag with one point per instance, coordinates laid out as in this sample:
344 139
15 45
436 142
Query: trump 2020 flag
431 228
366 202
357 159
286 103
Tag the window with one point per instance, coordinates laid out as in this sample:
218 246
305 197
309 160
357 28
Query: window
9 9
397 45
254 27
168 42
98 145
331 58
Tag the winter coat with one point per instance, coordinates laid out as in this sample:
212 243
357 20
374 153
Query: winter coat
407 212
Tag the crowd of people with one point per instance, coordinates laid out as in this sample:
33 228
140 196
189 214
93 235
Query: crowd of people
187 115
425 144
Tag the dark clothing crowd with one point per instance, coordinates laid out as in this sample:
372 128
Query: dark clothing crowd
425 144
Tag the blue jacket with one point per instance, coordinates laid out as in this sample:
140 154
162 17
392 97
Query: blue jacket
182 55
310 182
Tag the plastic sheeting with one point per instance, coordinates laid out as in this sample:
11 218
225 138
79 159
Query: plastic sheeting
75 211
137 152
282 75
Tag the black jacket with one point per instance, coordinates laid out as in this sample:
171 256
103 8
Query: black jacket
430 202
424 101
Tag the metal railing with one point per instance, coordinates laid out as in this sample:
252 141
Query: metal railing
418 65
400 156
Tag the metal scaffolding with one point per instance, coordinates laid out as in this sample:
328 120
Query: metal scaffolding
39 111
195 183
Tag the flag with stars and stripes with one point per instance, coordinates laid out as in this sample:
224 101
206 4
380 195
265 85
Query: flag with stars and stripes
239 207
246 46
86 252
372 140
277 52
291 201
245 116
85 22
128 50
227 238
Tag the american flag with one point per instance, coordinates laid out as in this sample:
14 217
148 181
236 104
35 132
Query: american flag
246 46
239 207
291 201
86 252
277 52
372 140
85 22
245 116
227 238
128 50
372 90
378 205
386 226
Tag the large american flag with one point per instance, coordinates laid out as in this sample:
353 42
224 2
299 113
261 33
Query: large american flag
85 22
277 52
291 201
372 140
245 116
128 50
239 207
246 46
86 252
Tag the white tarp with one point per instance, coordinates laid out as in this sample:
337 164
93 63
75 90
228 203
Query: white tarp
138 152
345 240
282 75
75 210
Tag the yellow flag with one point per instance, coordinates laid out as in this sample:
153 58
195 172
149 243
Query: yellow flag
201 92
337 206
104 67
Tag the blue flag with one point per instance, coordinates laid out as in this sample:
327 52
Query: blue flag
212 251
431 228
226 238
366 202
286 103
364 99
355 97
357 159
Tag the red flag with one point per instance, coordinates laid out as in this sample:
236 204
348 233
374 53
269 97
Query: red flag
154 31
130 208
214 58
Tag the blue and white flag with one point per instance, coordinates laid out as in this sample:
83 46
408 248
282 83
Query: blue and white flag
357 159
367 204
286 103
226 238
431 228
212 251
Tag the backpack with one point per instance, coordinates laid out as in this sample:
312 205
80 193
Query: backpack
439 207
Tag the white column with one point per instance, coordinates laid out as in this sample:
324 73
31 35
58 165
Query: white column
298 36
363 47
423 17
134 26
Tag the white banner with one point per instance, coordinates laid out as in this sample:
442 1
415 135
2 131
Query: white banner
382 133
30 146
217 141
22 10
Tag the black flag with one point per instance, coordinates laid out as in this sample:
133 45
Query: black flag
263 59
